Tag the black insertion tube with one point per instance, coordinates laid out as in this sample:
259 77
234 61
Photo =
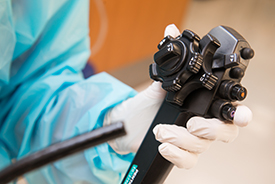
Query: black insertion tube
61 150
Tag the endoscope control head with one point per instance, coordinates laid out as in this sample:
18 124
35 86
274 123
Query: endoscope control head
188 66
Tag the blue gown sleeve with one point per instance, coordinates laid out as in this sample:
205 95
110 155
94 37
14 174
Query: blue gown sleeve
43 96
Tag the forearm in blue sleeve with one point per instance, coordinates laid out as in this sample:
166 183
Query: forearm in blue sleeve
76 109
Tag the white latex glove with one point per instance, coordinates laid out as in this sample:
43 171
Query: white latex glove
180 146
137 113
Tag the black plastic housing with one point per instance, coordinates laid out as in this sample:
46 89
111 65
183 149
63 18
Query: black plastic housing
202 77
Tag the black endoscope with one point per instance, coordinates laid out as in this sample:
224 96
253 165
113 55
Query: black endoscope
202 77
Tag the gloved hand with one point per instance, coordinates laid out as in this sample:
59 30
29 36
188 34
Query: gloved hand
180 146
137 113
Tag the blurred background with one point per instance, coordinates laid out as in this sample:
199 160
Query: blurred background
124 36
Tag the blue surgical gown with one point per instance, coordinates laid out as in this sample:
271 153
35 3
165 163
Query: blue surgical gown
44 99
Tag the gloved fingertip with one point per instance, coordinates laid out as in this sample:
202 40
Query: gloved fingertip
171 30
243 116
155 130
160 132
179 157
204 128
193 124
156 86
162 147
155 91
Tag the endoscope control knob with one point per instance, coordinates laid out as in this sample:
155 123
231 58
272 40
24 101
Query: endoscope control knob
195 62
168 56
208 80
164 41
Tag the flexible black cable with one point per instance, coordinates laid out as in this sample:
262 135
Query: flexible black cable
61 150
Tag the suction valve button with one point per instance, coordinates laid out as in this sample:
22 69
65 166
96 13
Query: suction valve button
236 73
247 53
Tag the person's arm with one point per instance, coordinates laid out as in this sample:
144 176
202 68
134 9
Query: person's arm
45 98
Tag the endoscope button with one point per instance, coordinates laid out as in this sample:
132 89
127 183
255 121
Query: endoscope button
236 73
228 112
247 53
238 92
